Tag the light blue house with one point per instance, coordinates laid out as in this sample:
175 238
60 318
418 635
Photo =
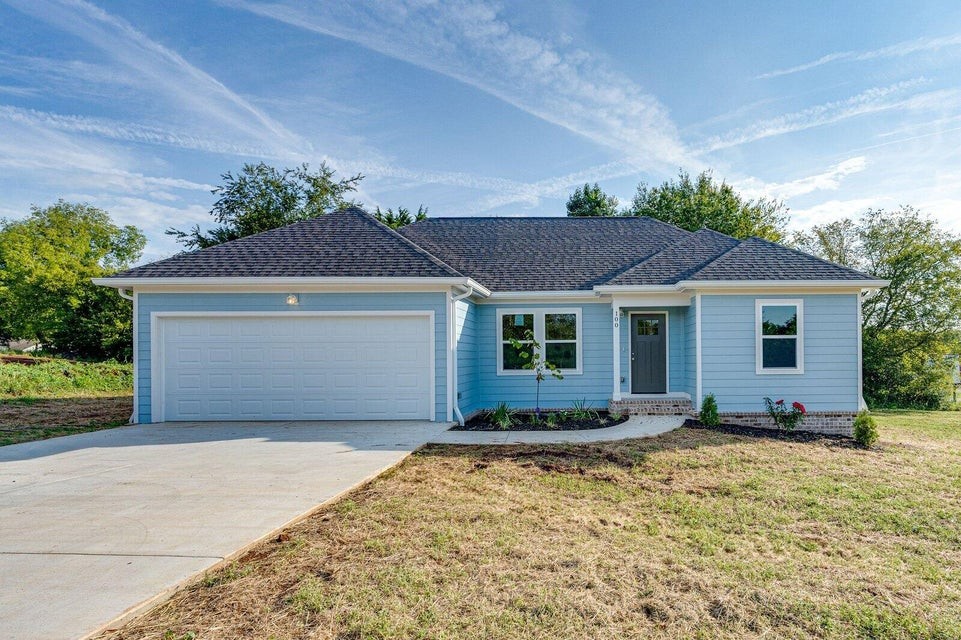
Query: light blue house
342 318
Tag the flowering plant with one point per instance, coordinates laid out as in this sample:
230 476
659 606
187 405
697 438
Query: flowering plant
785 418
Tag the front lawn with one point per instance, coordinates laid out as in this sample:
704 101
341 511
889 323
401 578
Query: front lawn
694 534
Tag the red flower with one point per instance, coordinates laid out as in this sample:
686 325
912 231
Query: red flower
800 407
781 401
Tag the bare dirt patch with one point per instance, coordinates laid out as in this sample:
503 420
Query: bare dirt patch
694 534
22 420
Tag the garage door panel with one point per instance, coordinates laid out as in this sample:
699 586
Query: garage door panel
289 368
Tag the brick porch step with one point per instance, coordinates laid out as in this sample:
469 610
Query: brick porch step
652 406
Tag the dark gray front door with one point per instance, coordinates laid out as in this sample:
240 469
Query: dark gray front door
648 353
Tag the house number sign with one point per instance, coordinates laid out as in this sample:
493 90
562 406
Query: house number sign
617 319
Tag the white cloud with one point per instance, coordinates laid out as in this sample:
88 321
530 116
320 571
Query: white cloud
828 180
471 42
872 100
832 210
898 50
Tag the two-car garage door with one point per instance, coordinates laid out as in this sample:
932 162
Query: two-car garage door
293 367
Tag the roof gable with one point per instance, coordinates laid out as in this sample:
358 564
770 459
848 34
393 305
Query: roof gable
678 261
758 259
345 243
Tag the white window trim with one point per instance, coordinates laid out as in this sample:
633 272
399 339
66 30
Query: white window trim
539 336
759 305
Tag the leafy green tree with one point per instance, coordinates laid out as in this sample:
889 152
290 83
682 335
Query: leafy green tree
911 325
401 218
693 204
588 201
46 263
261 198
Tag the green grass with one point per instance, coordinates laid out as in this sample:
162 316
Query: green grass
62 379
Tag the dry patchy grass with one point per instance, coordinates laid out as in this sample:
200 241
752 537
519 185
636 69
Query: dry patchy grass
695 534
22 420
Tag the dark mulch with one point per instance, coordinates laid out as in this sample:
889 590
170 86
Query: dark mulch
773 434
523 422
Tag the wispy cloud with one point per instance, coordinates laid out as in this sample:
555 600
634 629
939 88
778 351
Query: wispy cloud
899 50
471 42
828 180
166 73
871 101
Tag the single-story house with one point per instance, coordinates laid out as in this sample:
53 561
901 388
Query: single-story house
341 317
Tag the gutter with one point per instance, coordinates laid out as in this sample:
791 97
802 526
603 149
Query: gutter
453 349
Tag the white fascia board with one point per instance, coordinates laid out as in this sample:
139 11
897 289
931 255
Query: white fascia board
782 284
626 288
286 283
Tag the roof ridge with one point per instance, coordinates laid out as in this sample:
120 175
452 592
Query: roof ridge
693 236
407 241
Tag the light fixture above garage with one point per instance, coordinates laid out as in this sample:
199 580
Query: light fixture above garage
293 299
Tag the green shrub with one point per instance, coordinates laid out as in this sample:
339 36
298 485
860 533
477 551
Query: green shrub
865 429
709 417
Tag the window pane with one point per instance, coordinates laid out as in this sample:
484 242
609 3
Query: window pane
561 326
779 353
516 325
648 327
513 359
779 320
562 354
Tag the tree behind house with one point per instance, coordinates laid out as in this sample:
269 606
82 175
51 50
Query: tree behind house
701 202
401 218
589 201
261 198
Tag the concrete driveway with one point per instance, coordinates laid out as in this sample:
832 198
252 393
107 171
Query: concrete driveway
94 525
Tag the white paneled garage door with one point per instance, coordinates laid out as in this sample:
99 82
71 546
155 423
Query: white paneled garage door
294 367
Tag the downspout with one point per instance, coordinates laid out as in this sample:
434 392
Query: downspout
125 296
130 296
453 342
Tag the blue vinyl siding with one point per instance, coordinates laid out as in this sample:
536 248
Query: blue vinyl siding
677 347
830 378
466 318
593 385
207 302
690 351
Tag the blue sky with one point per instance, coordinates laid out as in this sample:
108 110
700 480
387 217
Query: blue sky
478 107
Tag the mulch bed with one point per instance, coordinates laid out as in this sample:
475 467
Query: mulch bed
772 434
522 422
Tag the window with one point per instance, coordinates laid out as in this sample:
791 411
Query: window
557 330
780 336
648 327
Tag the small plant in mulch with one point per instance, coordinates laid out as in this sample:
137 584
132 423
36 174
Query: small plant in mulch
530 350
709 416
786 419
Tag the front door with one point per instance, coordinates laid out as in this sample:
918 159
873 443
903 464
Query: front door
648 353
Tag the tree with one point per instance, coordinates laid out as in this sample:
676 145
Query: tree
588 201
695 204
401 218
46 263
262 197
911 325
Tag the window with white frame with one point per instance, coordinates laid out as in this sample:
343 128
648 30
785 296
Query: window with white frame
557 330
780 336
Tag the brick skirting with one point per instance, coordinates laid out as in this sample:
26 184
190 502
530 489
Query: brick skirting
826 422
652 407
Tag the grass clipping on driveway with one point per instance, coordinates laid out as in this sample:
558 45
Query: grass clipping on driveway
692 534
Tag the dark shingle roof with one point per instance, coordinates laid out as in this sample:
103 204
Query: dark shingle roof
347 243
503 254
542 254
757 259
678 261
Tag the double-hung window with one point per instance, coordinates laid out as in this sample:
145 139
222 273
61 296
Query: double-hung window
558 331
779 336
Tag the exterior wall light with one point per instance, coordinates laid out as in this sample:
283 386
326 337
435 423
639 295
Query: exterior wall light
293 299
